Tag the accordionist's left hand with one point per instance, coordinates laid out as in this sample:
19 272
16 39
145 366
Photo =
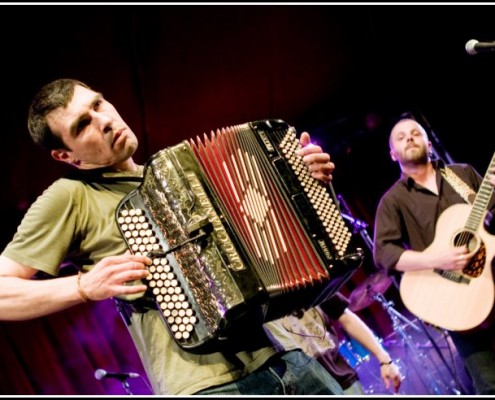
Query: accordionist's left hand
318 162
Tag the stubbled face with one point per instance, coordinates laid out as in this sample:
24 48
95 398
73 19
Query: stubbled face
409 144
94 132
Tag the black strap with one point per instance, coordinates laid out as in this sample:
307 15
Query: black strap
99 176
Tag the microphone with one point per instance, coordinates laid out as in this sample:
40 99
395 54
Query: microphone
474 47
102 374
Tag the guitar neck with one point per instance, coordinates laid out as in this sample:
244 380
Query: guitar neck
481 201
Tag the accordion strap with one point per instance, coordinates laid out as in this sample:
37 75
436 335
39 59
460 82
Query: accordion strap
104 175
461 187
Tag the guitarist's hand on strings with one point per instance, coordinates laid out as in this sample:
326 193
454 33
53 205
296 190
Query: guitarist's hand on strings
319 163
451 258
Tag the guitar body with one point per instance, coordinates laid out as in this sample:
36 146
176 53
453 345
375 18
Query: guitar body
465 301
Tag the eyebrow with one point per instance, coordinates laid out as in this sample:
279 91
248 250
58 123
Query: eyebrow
72 127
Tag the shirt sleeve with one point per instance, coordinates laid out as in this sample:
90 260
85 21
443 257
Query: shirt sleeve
335 306
388 241
45 234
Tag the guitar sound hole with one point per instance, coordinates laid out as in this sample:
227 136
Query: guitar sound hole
466 238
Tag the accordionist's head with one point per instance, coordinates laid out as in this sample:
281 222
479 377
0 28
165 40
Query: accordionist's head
80 127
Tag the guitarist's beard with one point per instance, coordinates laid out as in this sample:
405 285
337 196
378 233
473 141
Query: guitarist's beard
415 156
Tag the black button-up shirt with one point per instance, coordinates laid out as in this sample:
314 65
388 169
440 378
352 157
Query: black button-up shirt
407 213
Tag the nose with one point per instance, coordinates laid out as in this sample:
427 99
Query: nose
103 121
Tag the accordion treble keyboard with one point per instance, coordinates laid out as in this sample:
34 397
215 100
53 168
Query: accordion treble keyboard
236 227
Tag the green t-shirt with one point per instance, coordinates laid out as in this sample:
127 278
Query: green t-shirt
74 221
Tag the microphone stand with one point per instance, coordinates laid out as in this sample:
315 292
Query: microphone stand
439 151
358 225
122 379
125 385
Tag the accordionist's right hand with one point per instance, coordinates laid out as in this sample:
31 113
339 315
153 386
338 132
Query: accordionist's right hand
110 277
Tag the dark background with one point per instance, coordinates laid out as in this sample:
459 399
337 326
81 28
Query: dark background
177 71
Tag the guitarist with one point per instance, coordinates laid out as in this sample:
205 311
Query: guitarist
405 224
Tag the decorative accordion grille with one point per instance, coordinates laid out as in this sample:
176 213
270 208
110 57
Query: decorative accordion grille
257 204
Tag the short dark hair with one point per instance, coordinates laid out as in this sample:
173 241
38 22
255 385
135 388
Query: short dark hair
51 96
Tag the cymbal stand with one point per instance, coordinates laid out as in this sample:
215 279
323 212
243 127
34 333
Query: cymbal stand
396 317
460 387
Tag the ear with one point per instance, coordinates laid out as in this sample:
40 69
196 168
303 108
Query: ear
393 155
430 148
64 156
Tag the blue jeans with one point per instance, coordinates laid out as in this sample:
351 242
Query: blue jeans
356 389
294 373
477 351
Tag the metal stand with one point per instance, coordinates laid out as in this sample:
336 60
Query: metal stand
461 389
359 226
122 377
125 385
395 316
419 360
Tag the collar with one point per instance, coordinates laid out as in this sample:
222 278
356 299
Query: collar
409 182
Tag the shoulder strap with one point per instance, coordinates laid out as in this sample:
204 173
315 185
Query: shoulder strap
458 184
102 175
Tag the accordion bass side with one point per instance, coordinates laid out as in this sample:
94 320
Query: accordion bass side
237 229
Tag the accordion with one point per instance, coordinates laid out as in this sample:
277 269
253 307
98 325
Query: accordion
236 228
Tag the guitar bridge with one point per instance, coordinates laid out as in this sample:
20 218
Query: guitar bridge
452 276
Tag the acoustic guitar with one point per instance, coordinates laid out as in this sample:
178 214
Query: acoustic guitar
456 300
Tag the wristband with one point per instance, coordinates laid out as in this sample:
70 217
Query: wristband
81 291
386 363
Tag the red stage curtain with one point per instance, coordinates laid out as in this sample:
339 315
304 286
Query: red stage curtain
58 354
